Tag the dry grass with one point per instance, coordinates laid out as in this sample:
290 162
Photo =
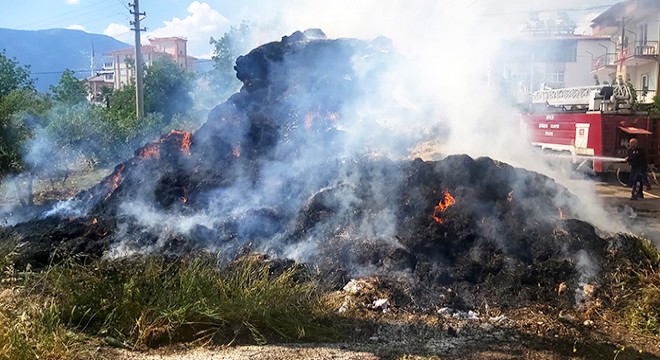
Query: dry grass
642 312
638 284
152 301
31 329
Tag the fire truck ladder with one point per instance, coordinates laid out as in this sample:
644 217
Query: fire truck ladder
586 97
565 96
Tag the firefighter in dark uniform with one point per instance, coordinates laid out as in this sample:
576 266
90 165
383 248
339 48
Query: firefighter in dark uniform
637 160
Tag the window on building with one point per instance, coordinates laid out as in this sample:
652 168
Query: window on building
645 82
556 76
643 34
522 77
109 77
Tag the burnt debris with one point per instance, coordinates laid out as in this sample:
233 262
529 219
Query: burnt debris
277 170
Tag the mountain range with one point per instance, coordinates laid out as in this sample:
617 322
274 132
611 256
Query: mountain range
50 52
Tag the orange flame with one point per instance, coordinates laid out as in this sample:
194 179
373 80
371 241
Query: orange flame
309 120
150 151
94 221
237 151
561 214
186 140
184 200
116 178
509 197
444 203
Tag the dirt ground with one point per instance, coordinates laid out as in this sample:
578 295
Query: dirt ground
527 333
640 215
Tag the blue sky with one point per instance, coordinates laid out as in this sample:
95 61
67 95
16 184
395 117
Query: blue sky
200 19
195 20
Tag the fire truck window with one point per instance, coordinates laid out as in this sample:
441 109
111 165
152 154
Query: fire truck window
622 139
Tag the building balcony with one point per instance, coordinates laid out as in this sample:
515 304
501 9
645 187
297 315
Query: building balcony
646 48
645 51
645 96
604 61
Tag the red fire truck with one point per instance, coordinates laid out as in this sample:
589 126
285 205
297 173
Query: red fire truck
589 127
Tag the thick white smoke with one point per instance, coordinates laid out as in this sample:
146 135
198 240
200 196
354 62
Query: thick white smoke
448 75
442 87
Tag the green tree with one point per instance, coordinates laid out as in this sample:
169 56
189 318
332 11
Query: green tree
13 76
69 90
104 95
80 129
122 103
167 88
21 109
226 49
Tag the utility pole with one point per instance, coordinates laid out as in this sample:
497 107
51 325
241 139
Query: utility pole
139 71
624 52
91 62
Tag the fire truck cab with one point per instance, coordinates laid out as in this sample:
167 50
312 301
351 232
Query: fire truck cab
589 126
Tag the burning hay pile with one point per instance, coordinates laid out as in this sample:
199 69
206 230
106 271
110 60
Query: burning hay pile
284 168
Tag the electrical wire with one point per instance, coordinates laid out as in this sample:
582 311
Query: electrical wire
124 4
584 9
65 14
61 72
78 16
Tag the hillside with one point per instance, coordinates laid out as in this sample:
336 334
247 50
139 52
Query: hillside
49 52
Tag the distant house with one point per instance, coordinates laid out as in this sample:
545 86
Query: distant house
551 60
632 51
118 66
95 83
547 54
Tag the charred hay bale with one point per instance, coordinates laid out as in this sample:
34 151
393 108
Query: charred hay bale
40 242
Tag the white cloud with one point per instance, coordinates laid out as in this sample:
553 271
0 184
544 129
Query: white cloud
72 2
76 27
120 32
202 22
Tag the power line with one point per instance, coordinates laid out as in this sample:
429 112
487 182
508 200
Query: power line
62 71
124 4
85 14
97 19
584 9
472 3
63 14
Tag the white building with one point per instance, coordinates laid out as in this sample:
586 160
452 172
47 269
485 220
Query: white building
550 60
548 55
118 67
633 31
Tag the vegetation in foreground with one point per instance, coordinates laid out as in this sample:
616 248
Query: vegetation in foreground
640 285
151 301
66 310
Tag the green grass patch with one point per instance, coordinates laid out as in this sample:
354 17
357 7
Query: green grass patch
642 312
640 281
71 307
152 301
